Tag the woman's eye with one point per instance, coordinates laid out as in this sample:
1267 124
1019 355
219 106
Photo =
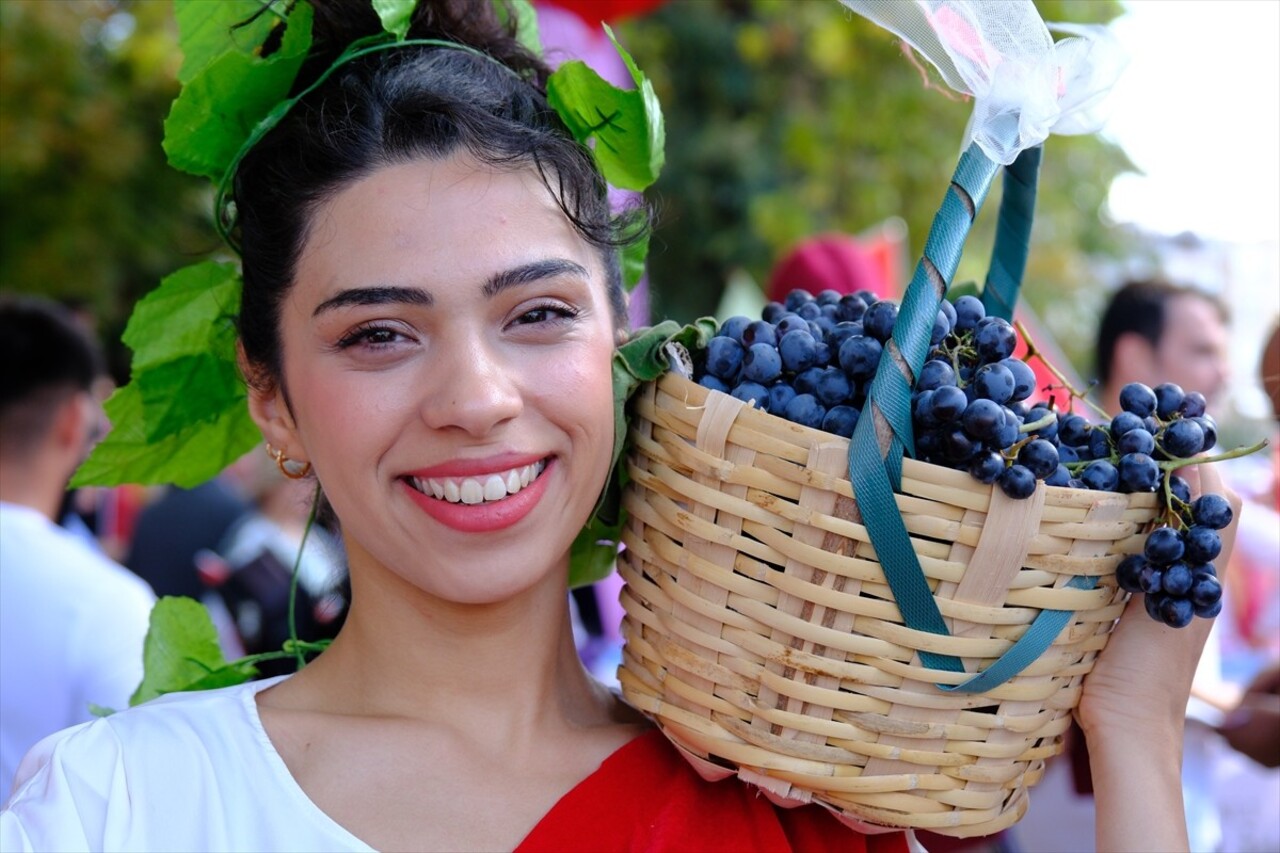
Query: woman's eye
545 314
370 336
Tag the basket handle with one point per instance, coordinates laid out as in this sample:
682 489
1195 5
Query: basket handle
884 432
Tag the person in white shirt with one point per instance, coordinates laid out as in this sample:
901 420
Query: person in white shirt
72 622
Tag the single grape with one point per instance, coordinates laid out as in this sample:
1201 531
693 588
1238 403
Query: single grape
860 355
759 332
1040 457
995 339
879 319
1017 482
958 446
852 307
832 387
797 297
1067 454
1168 398
780 393
789 323
1176 579
981 418
947 309
732 328
772 312
1073 430
1203 544
1136 441
1007 433
948 403
1061 476
1211 511
986 466
1176 612
1193 405
934 374
1152 601
941 328
1138 399
1138 473
724 358
804 409
752 393
1164 546
809 310
1129 572
969 312
761 363
994 382
806 381
1182 439
840 420
1123 423
1206 590
799 350
828 296
842 332
714 383
1100 476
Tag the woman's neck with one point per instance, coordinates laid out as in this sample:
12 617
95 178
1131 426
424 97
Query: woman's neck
510 665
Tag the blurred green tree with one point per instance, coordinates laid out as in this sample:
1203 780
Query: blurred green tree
90 210
789 118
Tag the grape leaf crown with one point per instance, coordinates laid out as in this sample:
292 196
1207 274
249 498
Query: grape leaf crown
182 417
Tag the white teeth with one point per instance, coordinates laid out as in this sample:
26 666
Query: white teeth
473 490
494 488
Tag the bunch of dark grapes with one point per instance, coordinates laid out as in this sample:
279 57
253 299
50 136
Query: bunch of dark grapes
811 360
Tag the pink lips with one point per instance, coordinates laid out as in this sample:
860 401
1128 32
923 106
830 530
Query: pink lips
487 516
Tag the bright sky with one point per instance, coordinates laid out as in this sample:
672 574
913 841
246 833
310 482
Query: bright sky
1198 109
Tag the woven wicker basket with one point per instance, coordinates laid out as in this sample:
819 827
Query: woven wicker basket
763 639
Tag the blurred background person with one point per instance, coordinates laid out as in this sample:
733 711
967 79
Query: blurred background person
72 622
1154 331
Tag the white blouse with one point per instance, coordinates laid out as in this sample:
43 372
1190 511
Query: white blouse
186 771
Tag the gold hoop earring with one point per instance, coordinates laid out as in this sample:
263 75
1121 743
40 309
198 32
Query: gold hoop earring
291 468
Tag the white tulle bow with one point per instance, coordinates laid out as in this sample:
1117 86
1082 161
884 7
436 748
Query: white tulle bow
1023 83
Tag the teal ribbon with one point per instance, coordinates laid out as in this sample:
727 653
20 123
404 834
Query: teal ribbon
877 475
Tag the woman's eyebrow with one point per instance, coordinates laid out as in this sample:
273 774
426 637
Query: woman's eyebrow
375 296
526 273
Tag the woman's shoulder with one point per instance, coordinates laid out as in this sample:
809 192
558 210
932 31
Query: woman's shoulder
183 771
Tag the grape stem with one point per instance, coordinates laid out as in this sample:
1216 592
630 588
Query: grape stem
1048 419
1172 464
1032 352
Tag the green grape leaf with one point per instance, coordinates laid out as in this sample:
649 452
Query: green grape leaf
526 23
639 360
633 255
186 458
625 124
218 109
208 30
395 15
189 390
181 650
184 341
191 312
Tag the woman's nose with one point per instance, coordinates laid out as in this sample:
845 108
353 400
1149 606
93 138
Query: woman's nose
475 389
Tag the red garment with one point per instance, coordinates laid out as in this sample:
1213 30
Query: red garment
645 797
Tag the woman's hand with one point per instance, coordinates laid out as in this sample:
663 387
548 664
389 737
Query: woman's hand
1132 712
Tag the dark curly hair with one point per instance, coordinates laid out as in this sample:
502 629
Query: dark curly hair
395 106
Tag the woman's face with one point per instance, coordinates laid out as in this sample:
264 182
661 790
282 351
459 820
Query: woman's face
447 349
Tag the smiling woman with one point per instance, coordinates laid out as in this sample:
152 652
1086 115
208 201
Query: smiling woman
431 302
